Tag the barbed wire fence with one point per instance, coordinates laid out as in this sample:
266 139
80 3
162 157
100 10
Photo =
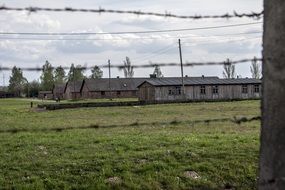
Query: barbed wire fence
150 65
234 120
252 15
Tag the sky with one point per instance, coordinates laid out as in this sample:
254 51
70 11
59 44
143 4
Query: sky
197 45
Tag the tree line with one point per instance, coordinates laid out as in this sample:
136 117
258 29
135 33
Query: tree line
51 76
230 71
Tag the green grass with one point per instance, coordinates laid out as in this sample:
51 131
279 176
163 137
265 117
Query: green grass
149 156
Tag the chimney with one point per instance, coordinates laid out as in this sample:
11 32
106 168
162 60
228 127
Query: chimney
118 77
203 76
186 76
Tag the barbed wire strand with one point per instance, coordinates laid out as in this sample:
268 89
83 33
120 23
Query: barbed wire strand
150 65
235 120
255 15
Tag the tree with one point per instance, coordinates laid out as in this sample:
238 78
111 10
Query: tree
157 71
17 81
47 77
128 68
96 72
229 70
32 89
59 75
255 70
75 73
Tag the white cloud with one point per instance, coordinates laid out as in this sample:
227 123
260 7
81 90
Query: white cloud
25 22
161 47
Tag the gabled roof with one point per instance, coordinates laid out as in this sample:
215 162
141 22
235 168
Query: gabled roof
123 84
116 84
200 81
74 86
59 88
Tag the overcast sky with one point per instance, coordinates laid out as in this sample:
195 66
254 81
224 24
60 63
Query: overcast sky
200 45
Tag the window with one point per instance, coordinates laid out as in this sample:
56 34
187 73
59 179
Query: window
256 88
215 90
174 91
102 93
244 89
118 92
178 90
202 90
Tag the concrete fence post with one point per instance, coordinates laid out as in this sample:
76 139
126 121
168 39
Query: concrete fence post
272 151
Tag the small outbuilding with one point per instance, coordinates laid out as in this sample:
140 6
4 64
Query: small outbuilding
58 91
4 94
45 95
199 88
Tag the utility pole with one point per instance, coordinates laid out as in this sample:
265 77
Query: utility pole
272 154
181 65
73 74
28 86
109 66
3 79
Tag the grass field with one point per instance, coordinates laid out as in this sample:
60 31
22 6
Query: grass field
148 156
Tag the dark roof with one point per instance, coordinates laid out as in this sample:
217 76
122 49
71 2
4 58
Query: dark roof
75 86
118 84
200 81
123 84
59 88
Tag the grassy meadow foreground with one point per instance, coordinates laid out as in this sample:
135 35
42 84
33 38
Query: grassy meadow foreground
154 150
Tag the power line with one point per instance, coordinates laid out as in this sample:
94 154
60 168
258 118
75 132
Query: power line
150 65
187 44
156 53
128 32
231 34
121 38
224 41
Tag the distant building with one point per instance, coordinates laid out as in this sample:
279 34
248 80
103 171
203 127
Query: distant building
4 94
199 88
72 90
45 95
58 91
113 88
